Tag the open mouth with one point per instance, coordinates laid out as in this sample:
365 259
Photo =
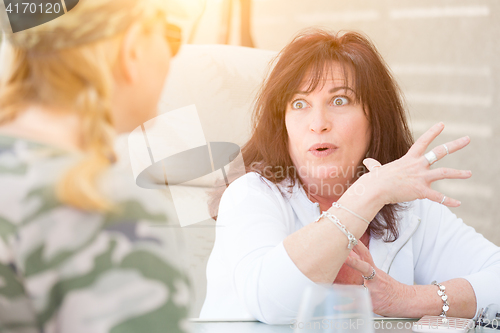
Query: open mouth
322 146
322 149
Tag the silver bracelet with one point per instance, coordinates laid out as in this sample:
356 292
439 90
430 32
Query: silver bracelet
337 205
350 237
446 306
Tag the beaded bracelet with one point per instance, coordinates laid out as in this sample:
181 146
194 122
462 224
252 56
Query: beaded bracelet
442 294
337 205
350 237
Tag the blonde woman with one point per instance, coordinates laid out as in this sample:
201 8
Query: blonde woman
77 250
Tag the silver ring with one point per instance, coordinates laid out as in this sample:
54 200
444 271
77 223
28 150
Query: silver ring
371 275
444 198
431 157
446 147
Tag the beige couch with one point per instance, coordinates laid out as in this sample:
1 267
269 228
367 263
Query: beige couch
221 81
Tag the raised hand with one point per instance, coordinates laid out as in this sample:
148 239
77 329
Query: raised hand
410 177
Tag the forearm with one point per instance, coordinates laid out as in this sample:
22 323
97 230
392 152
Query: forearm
424 300
319 249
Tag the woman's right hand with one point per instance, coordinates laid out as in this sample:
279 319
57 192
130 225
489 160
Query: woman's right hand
410 177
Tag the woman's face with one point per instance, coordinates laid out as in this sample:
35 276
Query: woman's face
328 133
156 63
139 99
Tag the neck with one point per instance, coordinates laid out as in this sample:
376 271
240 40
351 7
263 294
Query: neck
325 191
48 125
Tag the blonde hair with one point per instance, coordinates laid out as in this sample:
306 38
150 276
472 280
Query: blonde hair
68 63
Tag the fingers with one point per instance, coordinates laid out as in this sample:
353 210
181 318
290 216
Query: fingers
451 147
361 266
448 173
354 255
371 163
363 253
442 199
423 142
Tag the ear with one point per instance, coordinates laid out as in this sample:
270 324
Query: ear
130 54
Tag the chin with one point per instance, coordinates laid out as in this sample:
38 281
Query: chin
324 171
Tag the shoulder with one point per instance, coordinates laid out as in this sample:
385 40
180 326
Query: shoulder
28 174
253 194
254 184
254 180
123 250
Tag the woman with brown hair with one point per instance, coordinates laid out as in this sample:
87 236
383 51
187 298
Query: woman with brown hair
78 252
337 192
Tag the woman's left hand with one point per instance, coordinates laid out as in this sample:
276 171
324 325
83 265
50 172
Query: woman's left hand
389 297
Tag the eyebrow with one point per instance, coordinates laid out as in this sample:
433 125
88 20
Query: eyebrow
331 91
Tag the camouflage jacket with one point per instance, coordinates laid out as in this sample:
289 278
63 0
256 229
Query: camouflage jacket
66 270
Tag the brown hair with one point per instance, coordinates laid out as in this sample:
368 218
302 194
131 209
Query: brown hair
310 53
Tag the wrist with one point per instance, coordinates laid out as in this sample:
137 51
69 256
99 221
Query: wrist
358 205
424 301
366 192
411 302
402 303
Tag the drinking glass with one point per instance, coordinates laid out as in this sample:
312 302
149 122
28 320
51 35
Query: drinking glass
335 308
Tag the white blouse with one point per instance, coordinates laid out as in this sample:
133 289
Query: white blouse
251 276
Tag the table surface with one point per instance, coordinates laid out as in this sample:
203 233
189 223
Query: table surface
380 325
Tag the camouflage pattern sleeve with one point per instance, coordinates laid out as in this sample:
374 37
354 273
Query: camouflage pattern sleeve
65 270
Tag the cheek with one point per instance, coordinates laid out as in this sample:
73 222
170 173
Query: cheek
367 133
158 69
162 62
357 135
361 128
293 136
362 136
158 55
294 128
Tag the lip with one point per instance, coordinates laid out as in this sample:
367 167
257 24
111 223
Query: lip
328 149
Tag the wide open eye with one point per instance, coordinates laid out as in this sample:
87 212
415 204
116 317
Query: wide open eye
299 104
339 101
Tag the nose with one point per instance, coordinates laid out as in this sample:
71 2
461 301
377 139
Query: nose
319 121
